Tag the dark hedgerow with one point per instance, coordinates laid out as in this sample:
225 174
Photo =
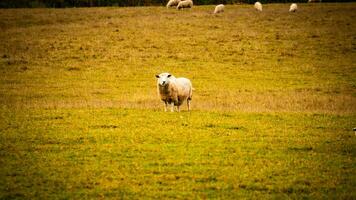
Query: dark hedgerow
123 3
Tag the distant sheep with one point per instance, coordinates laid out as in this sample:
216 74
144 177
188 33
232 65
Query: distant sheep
174 91
293 7
219 8
172 3
258 6
314 1
185 4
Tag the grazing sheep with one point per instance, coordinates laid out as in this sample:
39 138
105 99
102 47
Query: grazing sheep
185 4
258 6
172 3
293 7
174 90
219 8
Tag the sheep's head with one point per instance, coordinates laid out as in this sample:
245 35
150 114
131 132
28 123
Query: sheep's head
163 79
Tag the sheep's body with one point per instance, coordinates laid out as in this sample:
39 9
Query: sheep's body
258 6
174 91
185 4
293 7
172 3
219 8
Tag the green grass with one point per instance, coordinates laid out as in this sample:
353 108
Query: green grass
141 153
272 112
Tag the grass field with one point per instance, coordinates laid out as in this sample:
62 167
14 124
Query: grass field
272 112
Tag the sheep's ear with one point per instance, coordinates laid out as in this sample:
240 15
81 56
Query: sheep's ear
157 76
169 75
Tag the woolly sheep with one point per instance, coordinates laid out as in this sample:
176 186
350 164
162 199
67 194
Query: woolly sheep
293 7
219 8
172 3
185 4
174 91
258 6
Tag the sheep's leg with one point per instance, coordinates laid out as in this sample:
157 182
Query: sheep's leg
172 108
165 106
178 109
188 104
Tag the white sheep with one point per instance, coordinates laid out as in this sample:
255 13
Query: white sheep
293 7
219 8
258 6
174 91
185 4
172 3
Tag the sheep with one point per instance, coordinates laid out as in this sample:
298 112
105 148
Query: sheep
314 1
258 6
174 91
172 3
293 7
219 8
185 4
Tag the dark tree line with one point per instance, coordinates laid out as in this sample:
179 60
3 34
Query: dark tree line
95 3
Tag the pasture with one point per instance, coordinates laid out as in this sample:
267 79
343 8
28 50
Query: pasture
272 112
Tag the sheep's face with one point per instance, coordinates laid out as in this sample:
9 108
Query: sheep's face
163 79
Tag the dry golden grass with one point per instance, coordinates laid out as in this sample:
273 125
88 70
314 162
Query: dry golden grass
240 60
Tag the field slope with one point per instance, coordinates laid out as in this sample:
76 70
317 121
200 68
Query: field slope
273 108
